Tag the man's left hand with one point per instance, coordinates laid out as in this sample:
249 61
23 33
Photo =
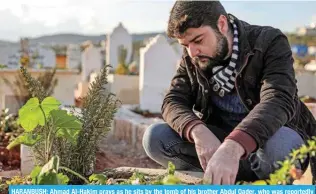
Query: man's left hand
222 168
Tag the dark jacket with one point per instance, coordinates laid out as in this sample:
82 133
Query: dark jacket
265 83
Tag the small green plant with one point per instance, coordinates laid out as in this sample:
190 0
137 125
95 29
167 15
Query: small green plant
49 174
96 116
44 122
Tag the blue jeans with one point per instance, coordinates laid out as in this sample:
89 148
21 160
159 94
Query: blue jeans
163 144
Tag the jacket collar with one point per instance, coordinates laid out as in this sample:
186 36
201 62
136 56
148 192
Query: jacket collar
243 38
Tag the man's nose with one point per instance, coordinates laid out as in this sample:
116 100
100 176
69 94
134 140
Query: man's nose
193 51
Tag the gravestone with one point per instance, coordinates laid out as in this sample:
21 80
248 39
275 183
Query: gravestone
117 38
27 160
91 61
158 64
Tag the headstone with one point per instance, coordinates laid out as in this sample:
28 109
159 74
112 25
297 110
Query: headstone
27 160
158 64
119 37
306 84
177 47
91 61
73 56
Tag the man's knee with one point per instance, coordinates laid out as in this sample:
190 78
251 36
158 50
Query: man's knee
152 139
277 149
282 143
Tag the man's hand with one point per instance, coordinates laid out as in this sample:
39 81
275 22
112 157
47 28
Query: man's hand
223 166
206 143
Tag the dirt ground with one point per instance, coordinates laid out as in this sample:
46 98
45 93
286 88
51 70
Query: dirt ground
9 160
115 153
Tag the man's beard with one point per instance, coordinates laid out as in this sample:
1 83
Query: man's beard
209 63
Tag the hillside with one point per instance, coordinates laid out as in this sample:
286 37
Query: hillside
4 42
66 39
72 38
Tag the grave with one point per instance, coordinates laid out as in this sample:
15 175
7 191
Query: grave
117 38
91 61
158 64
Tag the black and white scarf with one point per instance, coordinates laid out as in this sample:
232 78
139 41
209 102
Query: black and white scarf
223 79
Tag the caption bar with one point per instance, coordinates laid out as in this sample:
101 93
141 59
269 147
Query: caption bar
157 189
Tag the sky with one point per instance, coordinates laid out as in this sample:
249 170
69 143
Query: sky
32 18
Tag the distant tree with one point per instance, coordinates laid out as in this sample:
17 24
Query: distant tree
122 68
136 47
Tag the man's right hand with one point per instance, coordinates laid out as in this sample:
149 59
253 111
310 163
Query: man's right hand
206 143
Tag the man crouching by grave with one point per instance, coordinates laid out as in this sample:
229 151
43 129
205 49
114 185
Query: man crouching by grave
232 110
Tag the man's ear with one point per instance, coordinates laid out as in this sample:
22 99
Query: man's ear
222 24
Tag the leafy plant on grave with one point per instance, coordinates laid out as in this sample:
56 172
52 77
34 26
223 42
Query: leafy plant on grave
49 174
43 122
88 127
97 113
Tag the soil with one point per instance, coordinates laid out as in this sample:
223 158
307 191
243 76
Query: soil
114 153
9 159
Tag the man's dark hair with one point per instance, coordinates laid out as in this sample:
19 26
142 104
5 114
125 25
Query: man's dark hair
193 14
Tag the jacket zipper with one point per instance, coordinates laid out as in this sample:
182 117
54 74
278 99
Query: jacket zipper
208 85
236 78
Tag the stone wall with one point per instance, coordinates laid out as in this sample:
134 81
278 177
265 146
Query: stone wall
306 83
125 87
64 91
130 127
